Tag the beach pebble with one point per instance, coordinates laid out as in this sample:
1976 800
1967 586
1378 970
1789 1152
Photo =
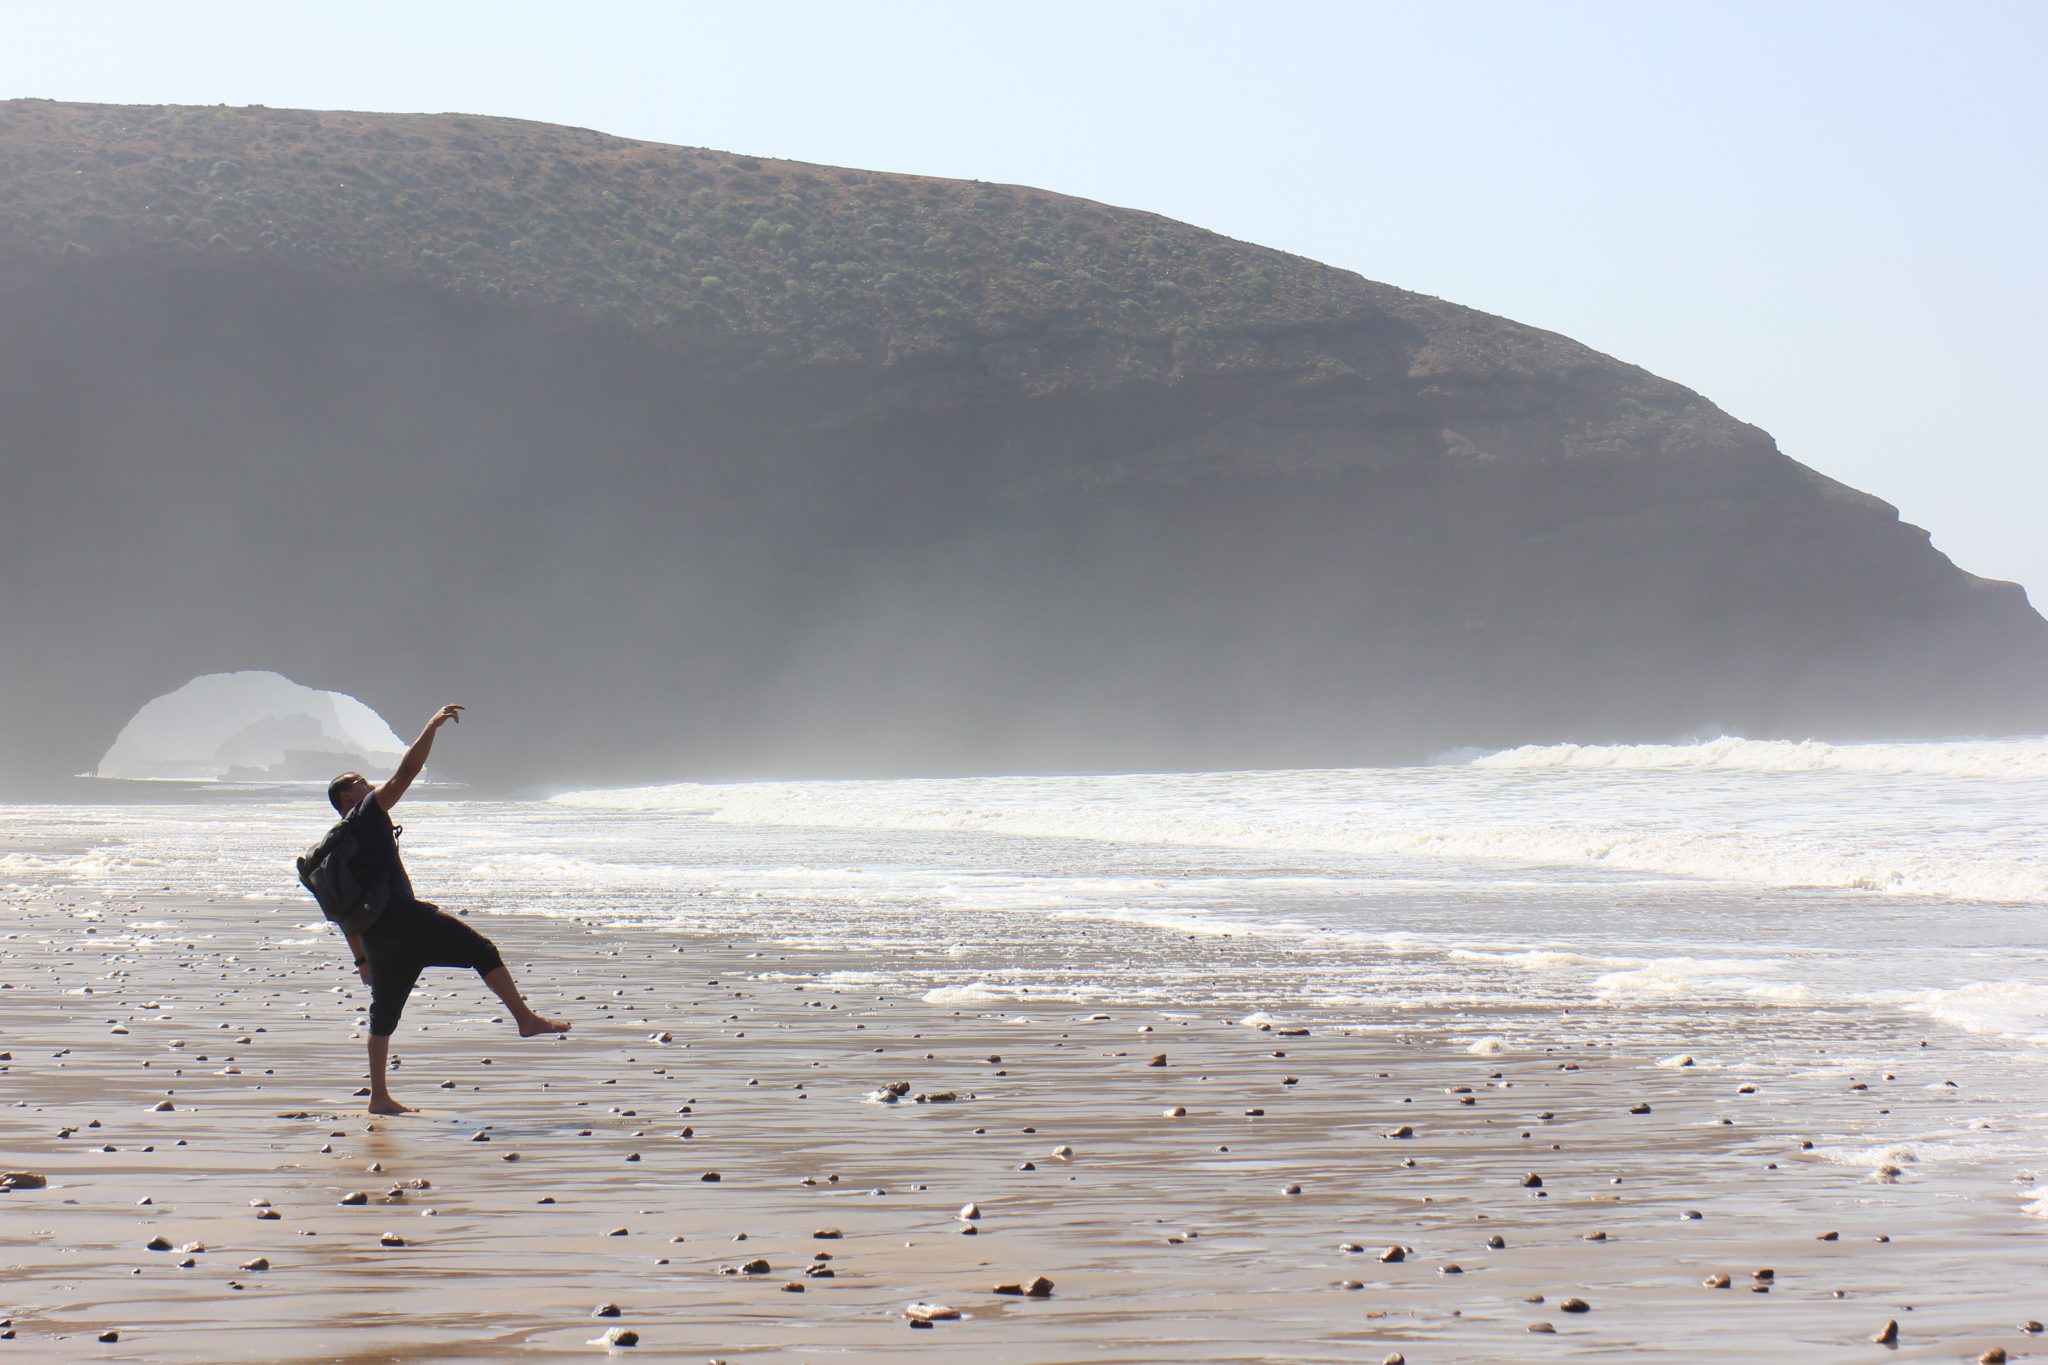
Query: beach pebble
1393 1256
1497 1242
162 1107
355 1197
1532 1181
1404 1131
1639 1109
1888 1334
268 1215
618 1336
1575 1306
970 1211
1063 1152
605 1310
1159 1060
2031 1327
710 1177
828 1234
1830 1236
391 1239
757 1266
156 1244
1039 1288
1541 1327
935 1312
1008 1289
24 1180
1765 1275
1994 1356
1718 1280
792 1287
260 1263
1290 1189
110 1335
1595 1237
1177 1112
1395 1359
1451 1268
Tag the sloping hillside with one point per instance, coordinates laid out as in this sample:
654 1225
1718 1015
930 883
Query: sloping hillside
684 460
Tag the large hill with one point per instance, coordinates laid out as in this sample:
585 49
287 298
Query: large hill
677 461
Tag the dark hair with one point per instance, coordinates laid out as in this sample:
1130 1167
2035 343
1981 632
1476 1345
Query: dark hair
334 790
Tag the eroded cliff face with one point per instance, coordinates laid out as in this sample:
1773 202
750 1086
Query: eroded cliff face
1170 501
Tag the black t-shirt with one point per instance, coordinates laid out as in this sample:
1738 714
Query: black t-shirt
373 830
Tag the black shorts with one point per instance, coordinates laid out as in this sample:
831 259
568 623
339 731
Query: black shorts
407 940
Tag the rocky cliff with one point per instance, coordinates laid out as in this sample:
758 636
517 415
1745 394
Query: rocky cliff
673 461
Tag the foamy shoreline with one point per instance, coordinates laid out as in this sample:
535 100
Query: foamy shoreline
1166 1237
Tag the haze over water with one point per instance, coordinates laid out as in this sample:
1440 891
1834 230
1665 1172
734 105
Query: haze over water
1786 913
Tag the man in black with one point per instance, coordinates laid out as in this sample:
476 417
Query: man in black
412 934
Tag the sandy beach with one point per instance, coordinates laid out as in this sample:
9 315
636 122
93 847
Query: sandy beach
714 1152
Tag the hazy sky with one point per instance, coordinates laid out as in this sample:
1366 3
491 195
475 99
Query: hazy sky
1826 217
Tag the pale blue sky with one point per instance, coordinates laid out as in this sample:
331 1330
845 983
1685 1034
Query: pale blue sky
1826 217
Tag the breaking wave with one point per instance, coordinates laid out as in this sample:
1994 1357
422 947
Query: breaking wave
1737 826
2000 758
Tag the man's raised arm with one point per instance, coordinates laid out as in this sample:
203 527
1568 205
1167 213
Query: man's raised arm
415 758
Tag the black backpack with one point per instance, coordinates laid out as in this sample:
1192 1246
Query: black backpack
347 879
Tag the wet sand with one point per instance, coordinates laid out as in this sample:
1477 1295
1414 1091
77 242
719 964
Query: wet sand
1250 1195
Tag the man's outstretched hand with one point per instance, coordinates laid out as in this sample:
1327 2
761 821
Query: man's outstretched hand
415 758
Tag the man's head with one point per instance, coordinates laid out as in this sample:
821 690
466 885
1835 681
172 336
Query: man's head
346 792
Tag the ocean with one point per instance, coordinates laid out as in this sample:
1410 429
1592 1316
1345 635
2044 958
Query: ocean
1790 914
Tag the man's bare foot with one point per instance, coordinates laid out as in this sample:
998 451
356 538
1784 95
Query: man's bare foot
386 1105
535 1024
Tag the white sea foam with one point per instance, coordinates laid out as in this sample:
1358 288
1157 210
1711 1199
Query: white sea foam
1488 1046
93 863
1541 960
2002 758
1741 829
2012 1009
